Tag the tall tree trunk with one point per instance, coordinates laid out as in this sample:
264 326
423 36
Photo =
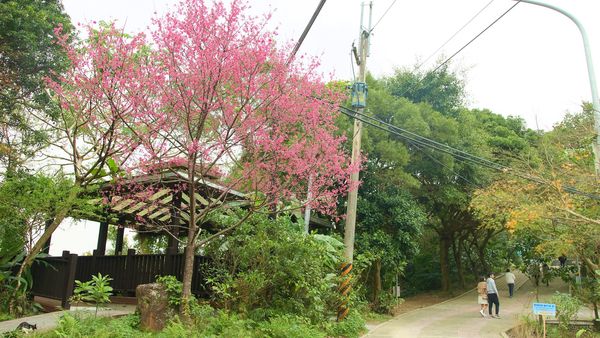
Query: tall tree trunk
188 271
376 281
472 266
457 252
444 263
481 250
481 255
190 247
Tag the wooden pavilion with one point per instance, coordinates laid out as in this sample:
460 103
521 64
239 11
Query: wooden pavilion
164 211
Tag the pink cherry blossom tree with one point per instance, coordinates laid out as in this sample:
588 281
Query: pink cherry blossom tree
229 104
210 92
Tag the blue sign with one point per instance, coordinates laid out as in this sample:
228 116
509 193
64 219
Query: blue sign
544 309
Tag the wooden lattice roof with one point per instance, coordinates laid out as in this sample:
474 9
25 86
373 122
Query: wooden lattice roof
158 209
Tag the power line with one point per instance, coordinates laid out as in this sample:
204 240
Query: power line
456 153
424 140
476 36
454 35
384 13
306 30
461 49
445 166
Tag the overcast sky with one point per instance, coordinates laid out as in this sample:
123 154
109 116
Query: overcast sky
531 63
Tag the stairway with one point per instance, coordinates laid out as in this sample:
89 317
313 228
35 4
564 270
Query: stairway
520 279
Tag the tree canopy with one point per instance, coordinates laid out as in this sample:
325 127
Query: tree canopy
28 55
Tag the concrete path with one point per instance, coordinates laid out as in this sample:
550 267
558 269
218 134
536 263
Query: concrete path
459 317
49 321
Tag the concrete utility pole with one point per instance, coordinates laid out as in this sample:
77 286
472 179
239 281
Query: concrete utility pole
591 75
359 97
307 208
353 195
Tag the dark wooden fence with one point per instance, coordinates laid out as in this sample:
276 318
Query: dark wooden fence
54 277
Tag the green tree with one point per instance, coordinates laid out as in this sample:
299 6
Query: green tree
28 54
442 89
27 202
442 184
390 223
558 206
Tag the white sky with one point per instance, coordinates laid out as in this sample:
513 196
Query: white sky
530 64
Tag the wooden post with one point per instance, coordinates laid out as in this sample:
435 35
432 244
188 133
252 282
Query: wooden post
119 242
173 242
130 279
102 236
70 279
544 320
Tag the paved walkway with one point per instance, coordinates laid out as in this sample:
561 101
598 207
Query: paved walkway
49 321
459 317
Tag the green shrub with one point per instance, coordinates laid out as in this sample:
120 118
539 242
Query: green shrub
289 326
17 302
208 322
225 324
567 307
97 290
5 316
352 326
271 264
174 288
176 329
386 303
82 326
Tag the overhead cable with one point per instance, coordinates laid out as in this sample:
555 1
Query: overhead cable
454 35
381 17
306 30
460 50
458 154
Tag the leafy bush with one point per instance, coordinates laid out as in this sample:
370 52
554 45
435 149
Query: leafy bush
386 303
271 264
289 326
589 290
5 316
74 327
567 307
208 322
269 279
96 290
16 302
352 326
174 288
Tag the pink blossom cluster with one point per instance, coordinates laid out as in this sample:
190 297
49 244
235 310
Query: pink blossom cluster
208 90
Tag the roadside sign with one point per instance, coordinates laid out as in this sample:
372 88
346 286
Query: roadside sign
544 309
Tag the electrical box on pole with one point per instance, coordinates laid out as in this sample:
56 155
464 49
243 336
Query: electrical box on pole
359 95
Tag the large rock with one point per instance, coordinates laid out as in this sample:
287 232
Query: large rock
153 306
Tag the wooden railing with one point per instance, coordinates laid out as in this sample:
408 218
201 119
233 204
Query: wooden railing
54 277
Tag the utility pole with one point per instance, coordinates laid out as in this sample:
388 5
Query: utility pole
359 103
307 208
359 97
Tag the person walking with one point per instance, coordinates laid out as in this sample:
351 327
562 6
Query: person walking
510 280
563 260
482 296
492 294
